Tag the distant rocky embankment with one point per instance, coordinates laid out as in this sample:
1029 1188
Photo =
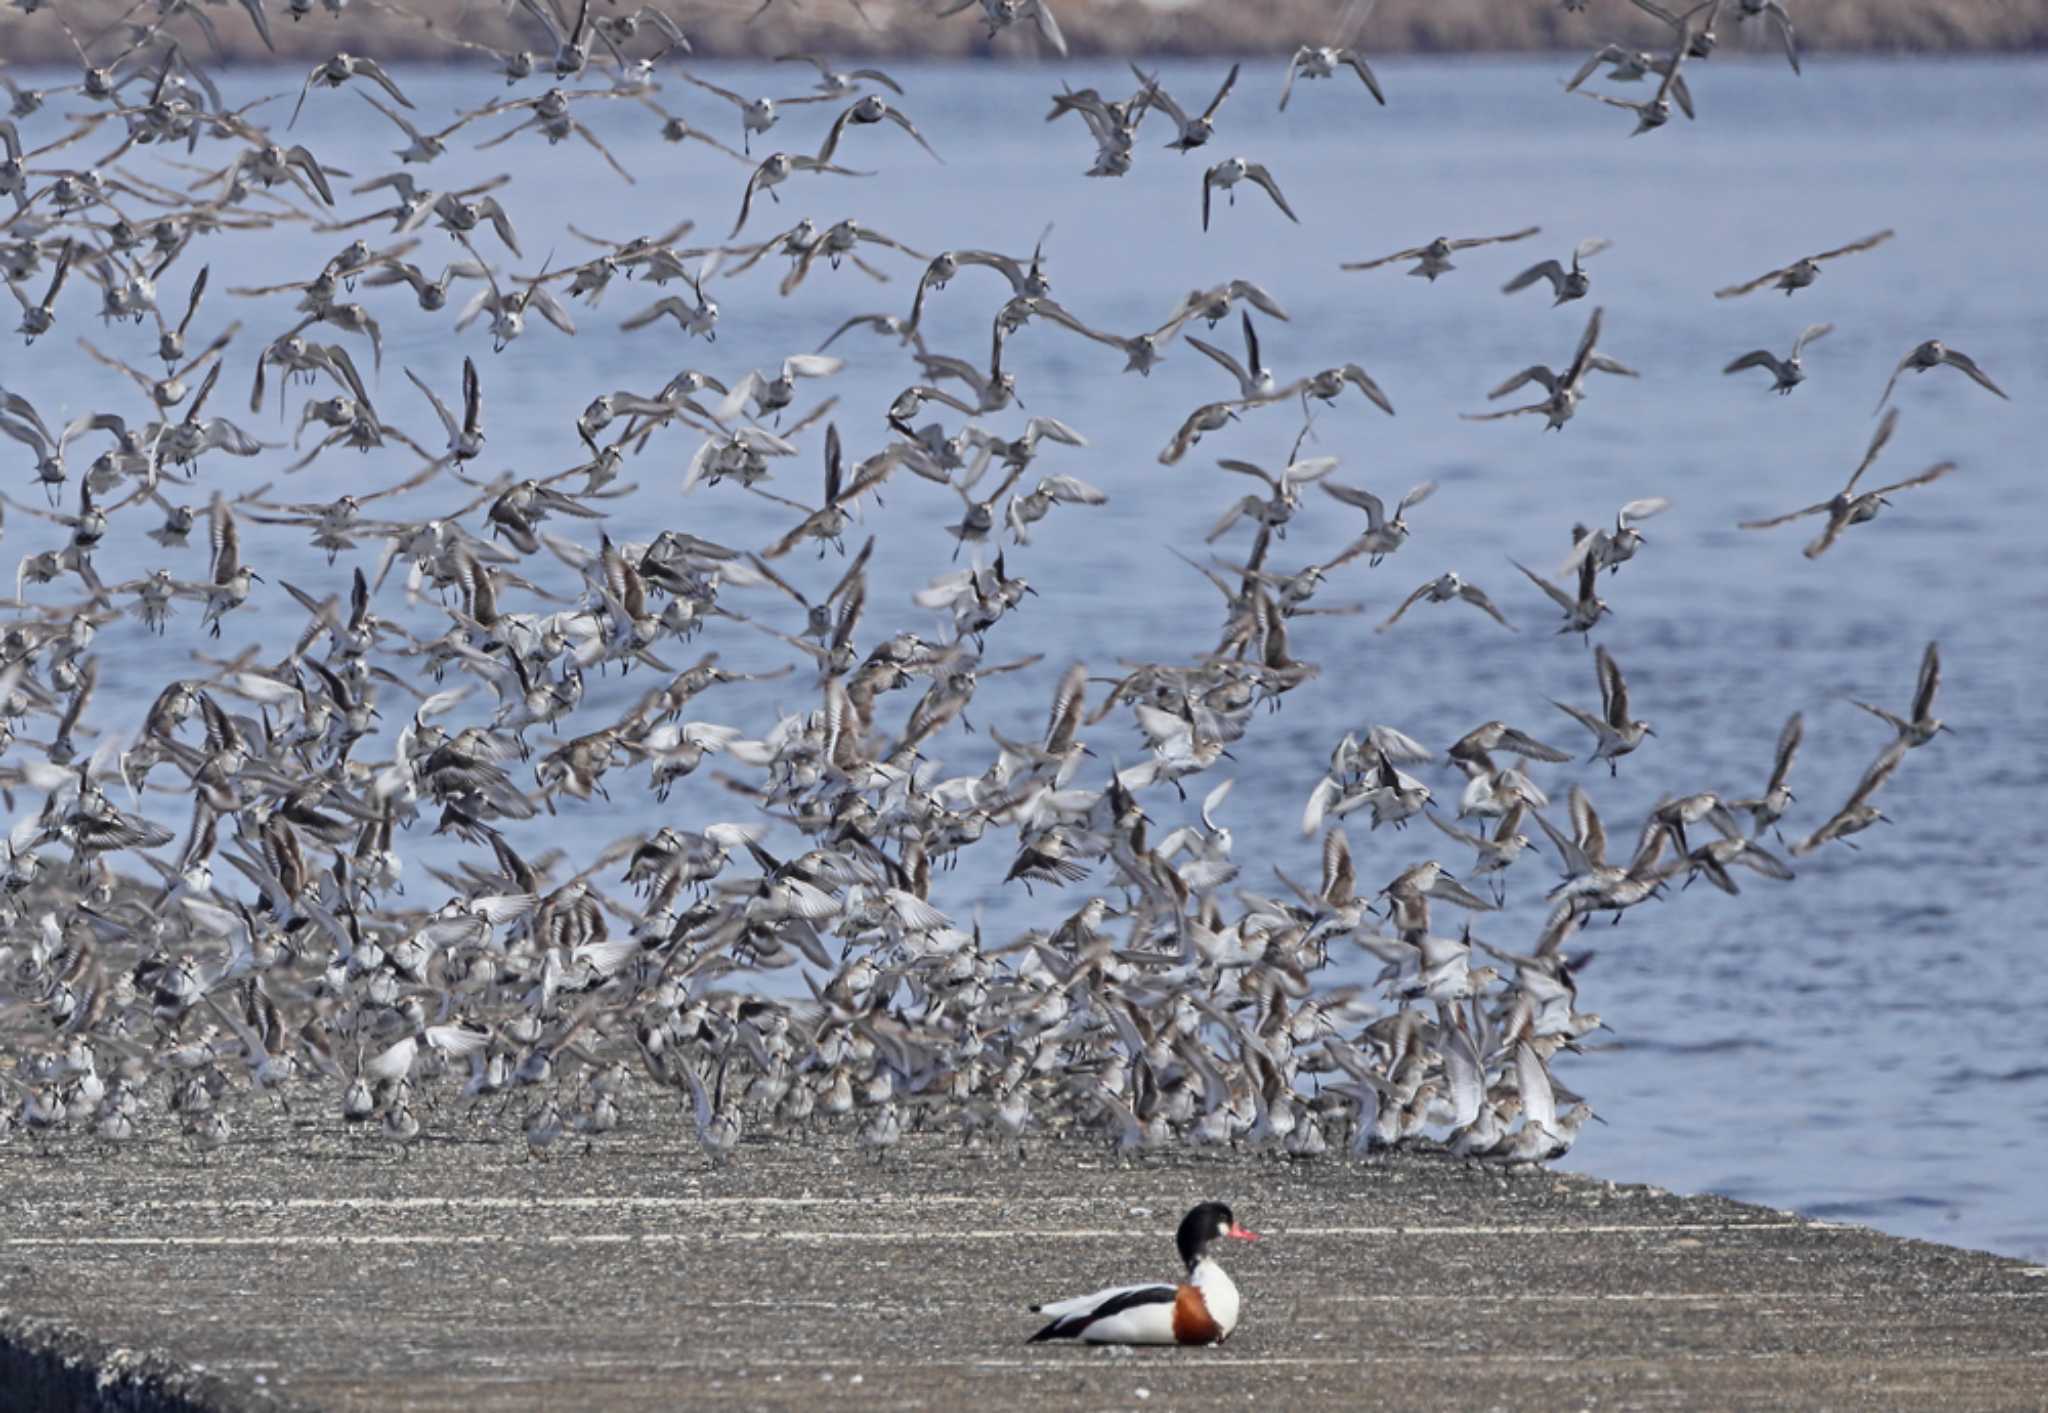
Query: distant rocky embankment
423 29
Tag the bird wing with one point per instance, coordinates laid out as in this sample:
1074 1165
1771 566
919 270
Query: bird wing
1929 683
1356 62
1789 737
1868 242
1969 367
1476 596
1607 53
1750 286
1406 604
1613 686
1893 381
1787 517
1534 373
1544 270
1469 241
1258 173
1229 364
1758 358
1557 596
1352 373
1931 474
1398 255
1375 510
1808 334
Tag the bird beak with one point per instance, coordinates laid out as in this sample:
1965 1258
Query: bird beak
1592 1115
1242 1233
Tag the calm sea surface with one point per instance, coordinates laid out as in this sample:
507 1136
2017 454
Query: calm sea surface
1864 1044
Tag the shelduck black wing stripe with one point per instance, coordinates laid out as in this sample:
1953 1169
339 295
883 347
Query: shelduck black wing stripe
1071 1326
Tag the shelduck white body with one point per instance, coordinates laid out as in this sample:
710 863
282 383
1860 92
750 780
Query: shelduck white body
1202 1309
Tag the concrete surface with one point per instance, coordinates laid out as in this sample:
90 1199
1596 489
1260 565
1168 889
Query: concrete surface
301 1267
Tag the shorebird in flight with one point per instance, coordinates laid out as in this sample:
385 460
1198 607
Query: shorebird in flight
1933 354
1802 272
1225 175
1435 258
1846 507
1789 372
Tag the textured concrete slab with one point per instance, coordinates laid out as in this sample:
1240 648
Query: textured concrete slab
302 1268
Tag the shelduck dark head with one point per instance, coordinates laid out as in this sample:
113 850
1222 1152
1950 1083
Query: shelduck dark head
1203 1225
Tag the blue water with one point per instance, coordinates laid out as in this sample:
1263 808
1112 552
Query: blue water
1861 1044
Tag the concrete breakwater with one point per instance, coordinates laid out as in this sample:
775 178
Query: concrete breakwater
419 30
300 1267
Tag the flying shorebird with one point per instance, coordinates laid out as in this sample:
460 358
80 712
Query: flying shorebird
1922 725
1780 20
339 70
1383 534
1655 112
1567 285
1846 507
1615 733
1190 132
1801 273
1632 66
1788 371
1933 354
1566 389
1694 27
1444 589
1254 379
775 170
1582 611
1858 814
1612 549
1232 170
1768 808
1313 61
841 83
867 111
1434 257
756 114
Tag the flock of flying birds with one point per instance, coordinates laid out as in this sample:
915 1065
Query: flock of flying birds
280 948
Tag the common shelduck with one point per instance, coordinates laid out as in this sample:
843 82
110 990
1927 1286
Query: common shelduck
1202 1309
